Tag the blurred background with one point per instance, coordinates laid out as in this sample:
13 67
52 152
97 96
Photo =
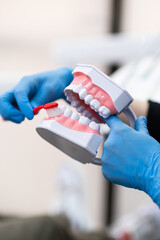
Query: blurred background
38 35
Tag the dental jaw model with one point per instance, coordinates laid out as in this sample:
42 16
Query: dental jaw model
92 93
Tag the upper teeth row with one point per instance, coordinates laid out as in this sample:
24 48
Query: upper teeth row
94 103
83 120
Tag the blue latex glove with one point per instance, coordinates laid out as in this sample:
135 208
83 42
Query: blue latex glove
132 157
33 91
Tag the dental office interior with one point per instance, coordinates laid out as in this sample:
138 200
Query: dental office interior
121 38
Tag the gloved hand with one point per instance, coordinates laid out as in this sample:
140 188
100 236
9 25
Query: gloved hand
32 91
132 157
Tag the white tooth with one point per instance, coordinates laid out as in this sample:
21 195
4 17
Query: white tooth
94 120
71 98
106 115
68 93
68 112
70 87
83 93
94 126
75 104
62 108
101 109
68 98
86 114
84 120
80 109
89 115
104 111
75 116
88 99
78 88
94 104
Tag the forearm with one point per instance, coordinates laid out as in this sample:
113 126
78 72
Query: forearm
149 109
139 107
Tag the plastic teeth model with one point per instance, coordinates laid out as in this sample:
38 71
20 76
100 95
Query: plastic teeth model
92 93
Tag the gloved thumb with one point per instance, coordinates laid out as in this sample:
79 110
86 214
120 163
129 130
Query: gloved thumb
40 98
113 121
141 125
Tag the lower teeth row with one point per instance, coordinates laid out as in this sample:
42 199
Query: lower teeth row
75 116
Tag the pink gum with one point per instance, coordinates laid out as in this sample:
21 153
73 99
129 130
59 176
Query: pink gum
73 124
97 92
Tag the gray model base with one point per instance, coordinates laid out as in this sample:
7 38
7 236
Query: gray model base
72 149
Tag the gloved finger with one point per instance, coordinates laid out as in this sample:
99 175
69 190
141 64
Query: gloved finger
7 110
141 125
24 104
43 96
22 91
17 119
113 121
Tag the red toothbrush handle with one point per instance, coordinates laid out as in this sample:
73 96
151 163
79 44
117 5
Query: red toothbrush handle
45 106
50 105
